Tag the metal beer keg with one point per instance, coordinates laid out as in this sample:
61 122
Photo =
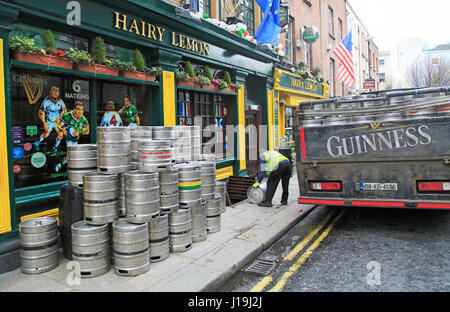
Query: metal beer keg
189 182
159 237
180 225
154 154
38 245
168 188
131 248
113 149
100 193
81 159
213 217
141 196
91 248
136 134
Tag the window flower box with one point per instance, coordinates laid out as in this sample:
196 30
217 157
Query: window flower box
211 87
189 83
98 69
137 75
43 59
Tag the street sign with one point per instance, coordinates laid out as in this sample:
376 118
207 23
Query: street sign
369 85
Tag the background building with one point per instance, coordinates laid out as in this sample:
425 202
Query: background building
365 52
329 18
385 70
408 49
431 68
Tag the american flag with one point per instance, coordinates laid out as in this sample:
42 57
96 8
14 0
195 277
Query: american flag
343 52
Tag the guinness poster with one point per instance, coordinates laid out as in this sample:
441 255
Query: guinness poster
49 112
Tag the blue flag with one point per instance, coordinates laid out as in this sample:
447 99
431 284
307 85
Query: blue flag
269 29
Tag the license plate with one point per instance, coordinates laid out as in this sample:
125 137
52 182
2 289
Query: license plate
378 186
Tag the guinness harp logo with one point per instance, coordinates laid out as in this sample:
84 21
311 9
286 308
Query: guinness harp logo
33 87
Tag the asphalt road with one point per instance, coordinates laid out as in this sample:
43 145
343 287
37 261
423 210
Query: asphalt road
360 250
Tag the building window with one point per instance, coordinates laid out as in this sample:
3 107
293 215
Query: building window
289 39
250 90
381 61
332 78
45 119
202 6
330 21
339 29
308 55
207 109
240 10
382 77
132 113
62 41
248 16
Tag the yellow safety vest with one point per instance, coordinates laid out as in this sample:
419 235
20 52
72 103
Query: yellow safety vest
272 160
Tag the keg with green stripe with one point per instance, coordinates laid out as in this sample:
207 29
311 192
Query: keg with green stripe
189 182
208 174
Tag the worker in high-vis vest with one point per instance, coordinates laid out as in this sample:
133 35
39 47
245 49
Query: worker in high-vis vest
277 167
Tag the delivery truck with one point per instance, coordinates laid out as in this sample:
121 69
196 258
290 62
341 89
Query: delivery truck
388 148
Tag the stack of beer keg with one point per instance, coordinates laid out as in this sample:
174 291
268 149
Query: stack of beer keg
81 159
38 245
131 217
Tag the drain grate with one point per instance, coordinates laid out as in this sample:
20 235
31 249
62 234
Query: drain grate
261 266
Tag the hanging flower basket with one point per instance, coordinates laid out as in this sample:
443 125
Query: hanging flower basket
98 69
43 59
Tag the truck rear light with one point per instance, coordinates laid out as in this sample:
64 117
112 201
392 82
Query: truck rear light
435 186
325 186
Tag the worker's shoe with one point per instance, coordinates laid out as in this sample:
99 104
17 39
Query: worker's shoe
263 204
283 202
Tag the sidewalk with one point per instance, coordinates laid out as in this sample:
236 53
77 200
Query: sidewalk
246 230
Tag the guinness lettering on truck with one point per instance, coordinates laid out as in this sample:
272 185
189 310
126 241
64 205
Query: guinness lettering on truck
380 149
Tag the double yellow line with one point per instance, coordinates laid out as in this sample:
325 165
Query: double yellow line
294 252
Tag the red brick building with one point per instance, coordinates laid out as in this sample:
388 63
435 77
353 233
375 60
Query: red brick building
328 16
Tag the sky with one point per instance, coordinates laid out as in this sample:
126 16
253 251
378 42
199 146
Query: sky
389 20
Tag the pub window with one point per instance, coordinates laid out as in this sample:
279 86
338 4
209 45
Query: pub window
206 109
45 120
250 90
132 113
